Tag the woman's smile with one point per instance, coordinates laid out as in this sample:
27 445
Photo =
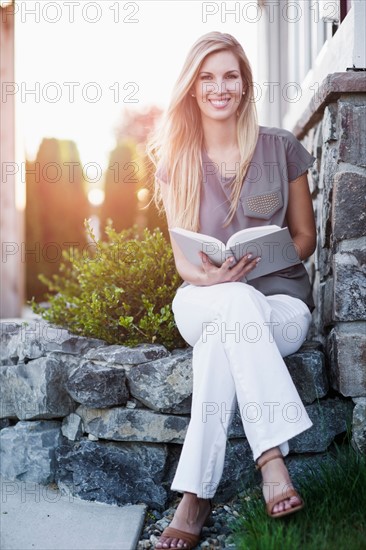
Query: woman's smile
220 103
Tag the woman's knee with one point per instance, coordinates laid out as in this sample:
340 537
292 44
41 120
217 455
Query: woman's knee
223 302
290 336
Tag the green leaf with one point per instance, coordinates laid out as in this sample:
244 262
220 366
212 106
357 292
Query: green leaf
85 296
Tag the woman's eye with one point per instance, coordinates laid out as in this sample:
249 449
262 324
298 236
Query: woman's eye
207 77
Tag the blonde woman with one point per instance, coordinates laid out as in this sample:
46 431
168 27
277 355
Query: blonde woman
218 171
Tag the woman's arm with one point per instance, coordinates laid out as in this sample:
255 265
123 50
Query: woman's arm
300 217
208 273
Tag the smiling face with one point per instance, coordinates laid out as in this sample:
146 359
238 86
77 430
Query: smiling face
219 86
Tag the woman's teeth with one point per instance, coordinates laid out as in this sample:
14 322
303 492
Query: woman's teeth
219 103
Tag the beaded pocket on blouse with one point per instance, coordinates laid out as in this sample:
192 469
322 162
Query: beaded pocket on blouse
263 205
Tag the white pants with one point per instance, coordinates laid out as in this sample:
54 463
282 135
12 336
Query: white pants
239 338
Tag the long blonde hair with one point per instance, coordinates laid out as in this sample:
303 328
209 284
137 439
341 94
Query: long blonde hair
176 144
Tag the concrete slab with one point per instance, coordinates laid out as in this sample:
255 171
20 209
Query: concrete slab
37 517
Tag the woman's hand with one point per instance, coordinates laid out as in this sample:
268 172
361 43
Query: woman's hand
226 273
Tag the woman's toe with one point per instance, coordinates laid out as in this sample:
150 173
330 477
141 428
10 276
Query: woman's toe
279 507
295 501
163 543
288 505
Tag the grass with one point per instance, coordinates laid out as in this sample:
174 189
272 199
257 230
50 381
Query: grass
334 516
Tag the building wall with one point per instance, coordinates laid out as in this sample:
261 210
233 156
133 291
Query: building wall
299 44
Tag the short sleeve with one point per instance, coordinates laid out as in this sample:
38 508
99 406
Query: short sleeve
299 160
161 174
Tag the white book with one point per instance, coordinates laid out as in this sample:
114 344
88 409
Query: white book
272 243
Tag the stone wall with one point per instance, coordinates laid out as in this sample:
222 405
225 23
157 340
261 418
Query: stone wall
106 422
333 129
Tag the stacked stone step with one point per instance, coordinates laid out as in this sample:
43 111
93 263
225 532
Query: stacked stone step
106 422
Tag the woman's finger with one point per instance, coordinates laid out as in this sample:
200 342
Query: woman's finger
242 263
204 258
248 267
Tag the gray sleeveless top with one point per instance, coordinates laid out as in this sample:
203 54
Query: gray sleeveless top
278 159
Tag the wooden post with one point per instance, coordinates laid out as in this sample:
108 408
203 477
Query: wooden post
12 214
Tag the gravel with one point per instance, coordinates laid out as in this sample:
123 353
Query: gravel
216 534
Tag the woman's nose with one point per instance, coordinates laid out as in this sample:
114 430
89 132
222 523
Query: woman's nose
220 86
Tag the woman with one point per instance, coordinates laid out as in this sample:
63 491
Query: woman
218 171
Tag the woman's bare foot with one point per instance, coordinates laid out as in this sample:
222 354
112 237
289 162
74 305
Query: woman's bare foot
276 481
190 517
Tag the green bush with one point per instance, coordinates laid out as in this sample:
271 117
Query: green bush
119 290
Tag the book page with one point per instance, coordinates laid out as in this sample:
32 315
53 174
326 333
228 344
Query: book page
250 234
276 249
192 243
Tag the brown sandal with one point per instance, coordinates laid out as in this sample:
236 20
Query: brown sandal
190 540
289 493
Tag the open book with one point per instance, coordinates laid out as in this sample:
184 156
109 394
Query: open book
271 242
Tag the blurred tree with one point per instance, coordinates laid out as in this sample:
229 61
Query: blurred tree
56 207
120 186
136 126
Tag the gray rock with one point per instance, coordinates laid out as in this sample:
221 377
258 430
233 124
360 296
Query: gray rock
327 302
114 473
330 417
352 121
164 385
72 427
4 423
313 179
307 370
318 141
325 259
330 122
303 466
8 330
37 389
236 430
347 352
27 451
349 198
180 351
7 382
124 355
359 425
98 385
119 424
329 167
35 338
239 471
350 285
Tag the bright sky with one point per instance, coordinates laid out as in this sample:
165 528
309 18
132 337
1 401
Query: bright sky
130 56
